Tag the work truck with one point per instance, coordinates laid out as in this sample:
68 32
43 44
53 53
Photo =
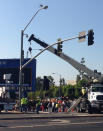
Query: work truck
92 102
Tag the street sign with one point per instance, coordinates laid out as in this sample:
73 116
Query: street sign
82 36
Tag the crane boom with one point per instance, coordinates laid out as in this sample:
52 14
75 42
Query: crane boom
68 59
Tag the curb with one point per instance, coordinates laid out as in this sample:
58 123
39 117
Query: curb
48 117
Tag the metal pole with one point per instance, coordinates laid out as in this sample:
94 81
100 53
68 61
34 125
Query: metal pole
45 50
60 86
44 7
22 55
59 82
20 72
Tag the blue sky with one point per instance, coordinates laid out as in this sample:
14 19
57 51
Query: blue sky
63 19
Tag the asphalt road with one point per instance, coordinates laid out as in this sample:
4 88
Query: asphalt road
72 124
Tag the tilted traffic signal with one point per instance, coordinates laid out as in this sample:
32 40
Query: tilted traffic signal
59 46
90 37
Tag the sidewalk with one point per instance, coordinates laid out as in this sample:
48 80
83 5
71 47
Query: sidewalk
43 115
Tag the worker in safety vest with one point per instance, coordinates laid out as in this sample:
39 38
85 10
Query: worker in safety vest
24 103
83 91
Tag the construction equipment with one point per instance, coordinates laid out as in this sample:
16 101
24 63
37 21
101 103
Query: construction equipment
94 100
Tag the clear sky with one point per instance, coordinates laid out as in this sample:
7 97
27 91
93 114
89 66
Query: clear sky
63 19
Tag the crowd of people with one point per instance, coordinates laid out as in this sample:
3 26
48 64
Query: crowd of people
47 105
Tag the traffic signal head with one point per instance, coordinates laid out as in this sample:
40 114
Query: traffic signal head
90 37
59 46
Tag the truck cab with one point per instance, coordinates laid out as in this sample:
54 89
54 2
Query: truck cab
95 97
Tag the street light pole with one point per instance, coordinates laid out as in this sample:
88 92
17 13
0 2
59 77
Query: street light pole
20 72
22 54
60 86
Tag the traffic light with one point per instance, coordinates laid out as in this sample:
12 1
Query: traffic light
59 46
90 37
45 83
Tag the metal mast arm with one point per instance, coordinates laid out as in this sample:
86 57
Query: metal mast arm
68 59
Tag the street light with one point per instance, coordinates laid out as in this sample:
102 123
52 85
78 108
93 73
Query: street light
59 82
22 51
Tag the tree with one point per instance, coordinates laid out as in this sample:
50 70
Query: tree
82 83
31 96
39 83
77 91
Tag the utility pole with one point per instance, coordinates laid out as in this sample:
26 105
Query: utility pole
59 82
20 72
60 86
22 53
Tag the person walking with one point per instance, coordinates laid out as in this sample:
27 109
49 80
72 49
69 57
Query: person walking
38 106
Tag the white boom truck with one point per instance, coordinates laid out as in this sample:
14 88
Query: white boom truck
94 99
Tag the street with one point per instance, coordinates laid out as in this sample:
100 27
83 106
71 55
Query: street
81 124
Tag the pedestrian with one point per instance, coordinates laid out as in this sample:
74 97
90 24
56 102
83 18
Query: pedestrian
24 103
16 106
53 106
56 107
50 106
38 106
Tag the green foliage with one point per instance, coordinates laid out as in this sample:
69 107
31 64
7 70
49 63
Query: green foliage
77 91
82 82
31 95
71 91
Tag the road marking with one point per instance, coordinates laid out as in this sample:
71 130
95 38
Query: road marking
20 126
58 121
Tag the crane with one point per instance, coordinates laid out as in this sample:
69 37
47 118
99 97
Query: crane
88 73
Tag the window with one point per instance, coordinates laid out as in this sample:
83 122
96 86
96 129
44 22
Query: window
97 89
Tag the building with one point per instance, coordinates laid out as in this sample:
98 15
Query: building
9 75
71 82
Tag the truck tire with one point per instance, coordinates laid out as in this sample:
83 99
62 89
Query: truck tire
98 111
82 110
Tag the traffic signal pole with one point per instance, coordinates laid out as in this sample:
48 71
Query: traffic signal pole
22 54
60 87
20 72
46 48
63 56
